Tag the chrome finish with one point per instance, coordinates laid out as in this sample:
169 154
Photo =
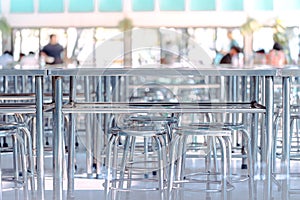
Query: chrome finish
58 142
71 140
285 159
269 136
40 138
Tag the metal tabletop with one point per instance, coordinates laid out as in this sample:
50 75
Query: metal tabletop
154 70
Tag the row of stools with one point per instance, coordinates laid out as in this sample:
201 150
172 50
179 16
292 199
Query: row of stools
23 163
161 157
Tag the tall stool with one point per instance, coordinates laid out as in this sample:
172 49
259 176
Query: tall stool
21 141
131 163
177 176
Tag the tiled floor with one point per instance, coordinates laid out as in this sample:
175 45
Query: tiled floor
87 189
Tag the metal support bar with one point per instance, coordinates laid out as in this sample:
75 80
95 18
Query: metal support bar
58 142
40 138
285 160
269 90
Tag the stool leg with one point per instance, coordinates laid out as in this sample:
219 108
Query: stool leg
132 150
275 142
181 158
215 154
24 165
252 189
123 162
161 167
229 157
30 159
164 143
108 179
224 167
173 154
15 159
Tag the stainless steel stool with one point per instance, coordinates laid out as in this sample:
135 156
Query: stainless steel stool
246 151
131 164
177 160
20 142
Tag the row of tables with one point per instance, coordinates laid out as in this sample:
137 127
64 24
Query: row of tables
59 72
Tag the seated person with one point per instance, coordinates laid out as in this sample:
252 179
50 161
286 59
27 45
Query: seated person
276 56
234 51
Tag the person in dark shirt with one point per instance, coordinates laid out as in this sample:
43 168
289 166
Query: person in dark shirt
227 59
53 51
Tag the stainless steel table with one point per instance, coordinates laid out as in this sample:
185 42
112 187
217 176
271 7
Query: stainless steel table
264 71
38 74
287 74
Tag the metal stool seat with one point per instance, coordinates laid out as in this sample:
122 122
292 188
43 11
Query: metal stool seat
21 141
233 127
177 175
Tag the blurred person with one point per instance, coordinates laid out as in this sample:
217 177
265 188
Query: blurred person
53 51
232 41
6 58
276 56
228 58
21 55
29 60
259 57
226 47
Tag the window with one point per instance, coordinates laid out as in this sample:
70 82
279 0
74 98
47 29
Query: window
48 6
232 5
110 5
81 6
288 4
203 5
142 5
263 5
21 6
172 5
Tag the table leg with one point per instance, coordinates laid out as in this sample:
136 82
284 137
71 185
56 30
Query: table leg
58 142
88 131
269 90
99 130
71 140
254 95
40 138
285 160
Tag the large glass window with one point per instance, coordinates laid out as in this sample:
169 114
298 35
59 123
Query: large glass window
172 5
81 6
203 5
232 5
142 5
110 5
21 6
263 5
288 4
48 6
